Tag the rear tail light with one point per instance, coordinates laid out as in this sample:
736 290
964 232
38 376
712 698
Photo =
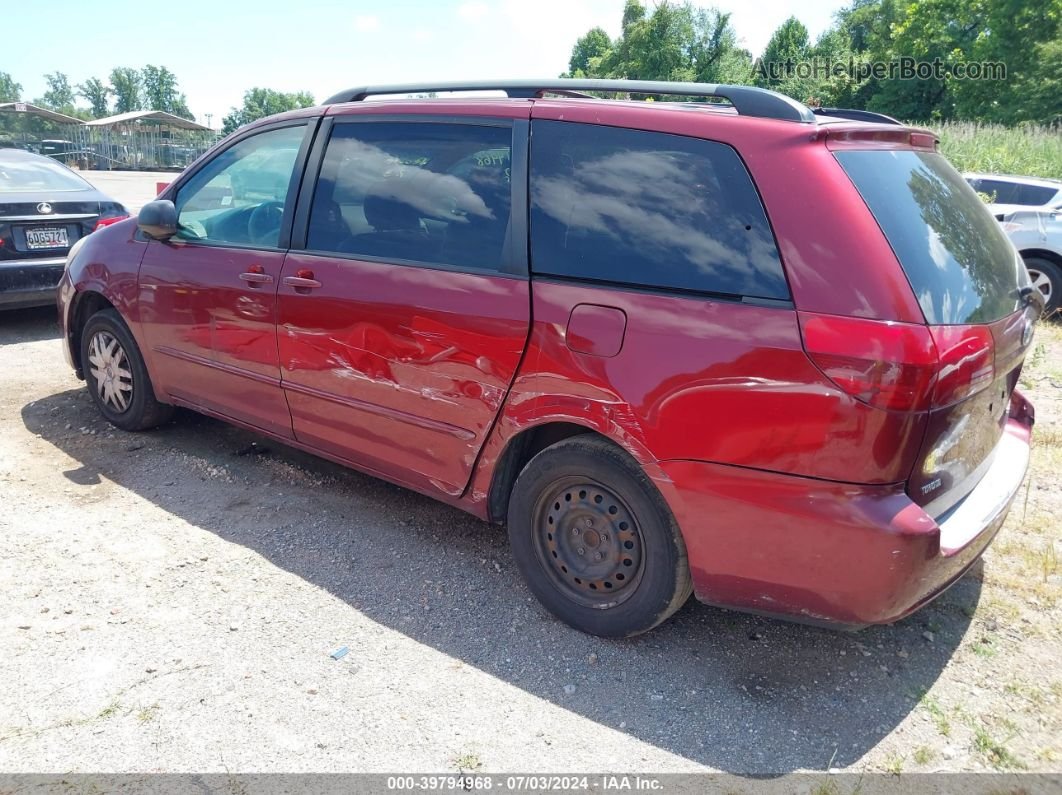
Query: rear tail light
108 221
888 365
900 366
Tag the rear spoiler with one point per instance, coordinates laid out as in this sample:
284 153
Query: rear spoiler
856 115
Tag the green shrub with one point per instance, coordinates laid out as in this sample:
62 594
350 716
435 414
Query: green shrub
1029 150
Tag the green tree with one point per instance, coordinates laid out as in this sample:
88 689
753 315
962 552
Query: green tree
780 66
95 92
160 88
633 12
1019 34
1023 36
261 102
10 91
588 52
127 89
674 42
1039 91
60 95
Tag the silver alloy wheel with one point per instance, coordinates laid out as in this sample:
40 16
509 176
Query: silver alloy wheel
1042 283
110 368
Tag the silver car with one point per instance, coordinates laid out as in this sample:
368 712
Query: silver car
1037 234
1009 194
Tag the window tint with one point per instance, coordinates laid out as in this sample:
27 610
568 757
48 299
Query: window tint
960 264
239 196
426 192
1035 195
999 192
648 209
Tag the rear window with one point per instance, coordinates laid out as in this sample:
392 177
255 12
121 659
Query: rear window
38 175
960 264
649 210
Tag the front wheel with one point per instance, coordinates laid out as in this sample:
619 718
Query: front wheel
1047 278
595 541
116 376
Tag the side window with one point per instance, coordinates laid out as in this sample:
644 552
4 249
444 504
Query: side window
1000 192
239 196
1035 195
648 209
419 191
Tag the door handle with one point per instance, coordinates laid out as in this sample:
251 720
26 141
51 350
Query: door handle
302 280
253 278
298 282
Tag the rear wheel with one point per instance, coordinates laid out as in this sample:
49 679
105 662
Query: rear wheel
116 376
595 540
1047 279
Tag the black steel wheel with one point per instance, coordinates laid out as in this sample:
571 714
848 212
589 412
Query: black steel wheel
589 542
595 541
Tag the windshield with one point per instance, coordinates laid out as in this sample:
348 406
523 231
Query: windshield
960 264
38 175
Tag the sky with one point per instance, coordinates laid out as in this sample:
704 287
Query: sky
220 48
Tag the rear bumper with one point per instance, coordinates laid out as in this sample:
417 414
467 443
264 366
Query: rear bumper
832 553
29 282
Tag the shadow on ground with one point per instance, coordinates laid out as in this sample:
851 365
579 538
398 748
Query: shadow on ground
739 693
28 325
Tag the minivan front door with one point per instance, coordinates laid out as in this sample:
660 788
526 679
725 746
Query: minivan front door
208 296
401 324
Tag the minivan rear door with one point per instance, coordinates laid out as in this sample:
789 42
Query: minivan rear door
974 292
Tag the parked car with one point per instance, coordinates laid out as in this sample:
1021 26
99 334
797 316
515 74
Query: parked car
1037 234
1010 194
743 350
45 208
57 149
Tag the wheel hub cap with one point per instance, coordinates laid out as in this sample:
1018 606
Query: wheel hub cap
1041 283
110 370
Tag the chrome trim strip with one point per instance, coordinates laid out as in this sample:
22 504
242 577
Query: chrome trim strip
49 218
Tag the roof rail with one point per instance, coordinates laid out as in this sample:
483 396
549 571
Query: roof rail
856 115
747 100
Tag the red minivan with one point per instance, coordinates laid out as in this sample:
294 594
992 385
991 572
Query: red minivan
725 345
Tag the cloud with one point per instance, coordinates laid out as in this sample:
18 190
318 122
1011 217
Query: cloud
366 23
473 10
421 34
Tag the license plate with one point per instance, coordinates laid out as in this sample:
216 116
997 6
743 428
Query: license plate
37 239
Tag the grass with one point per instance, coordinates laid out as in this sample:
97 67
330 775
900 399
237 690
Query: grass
1035 696
936 712
467 762
985 647
994 751
923 755
1028 149
894 764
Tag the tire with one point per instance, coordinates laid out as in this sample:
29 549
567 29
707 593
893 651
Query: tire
1047 278
116 376
599 502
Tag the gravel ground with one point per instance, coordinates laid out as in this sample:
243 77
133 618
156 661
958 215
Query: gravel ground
169 602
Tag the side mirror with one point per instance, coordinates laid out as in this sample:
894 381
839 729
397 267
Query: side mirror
158 219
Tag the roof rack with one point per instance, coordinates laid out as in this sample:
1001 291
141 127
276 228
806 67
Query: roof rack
857 115
746 100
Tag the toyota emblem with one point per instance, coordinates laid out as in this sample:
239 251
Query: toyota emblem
44 208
